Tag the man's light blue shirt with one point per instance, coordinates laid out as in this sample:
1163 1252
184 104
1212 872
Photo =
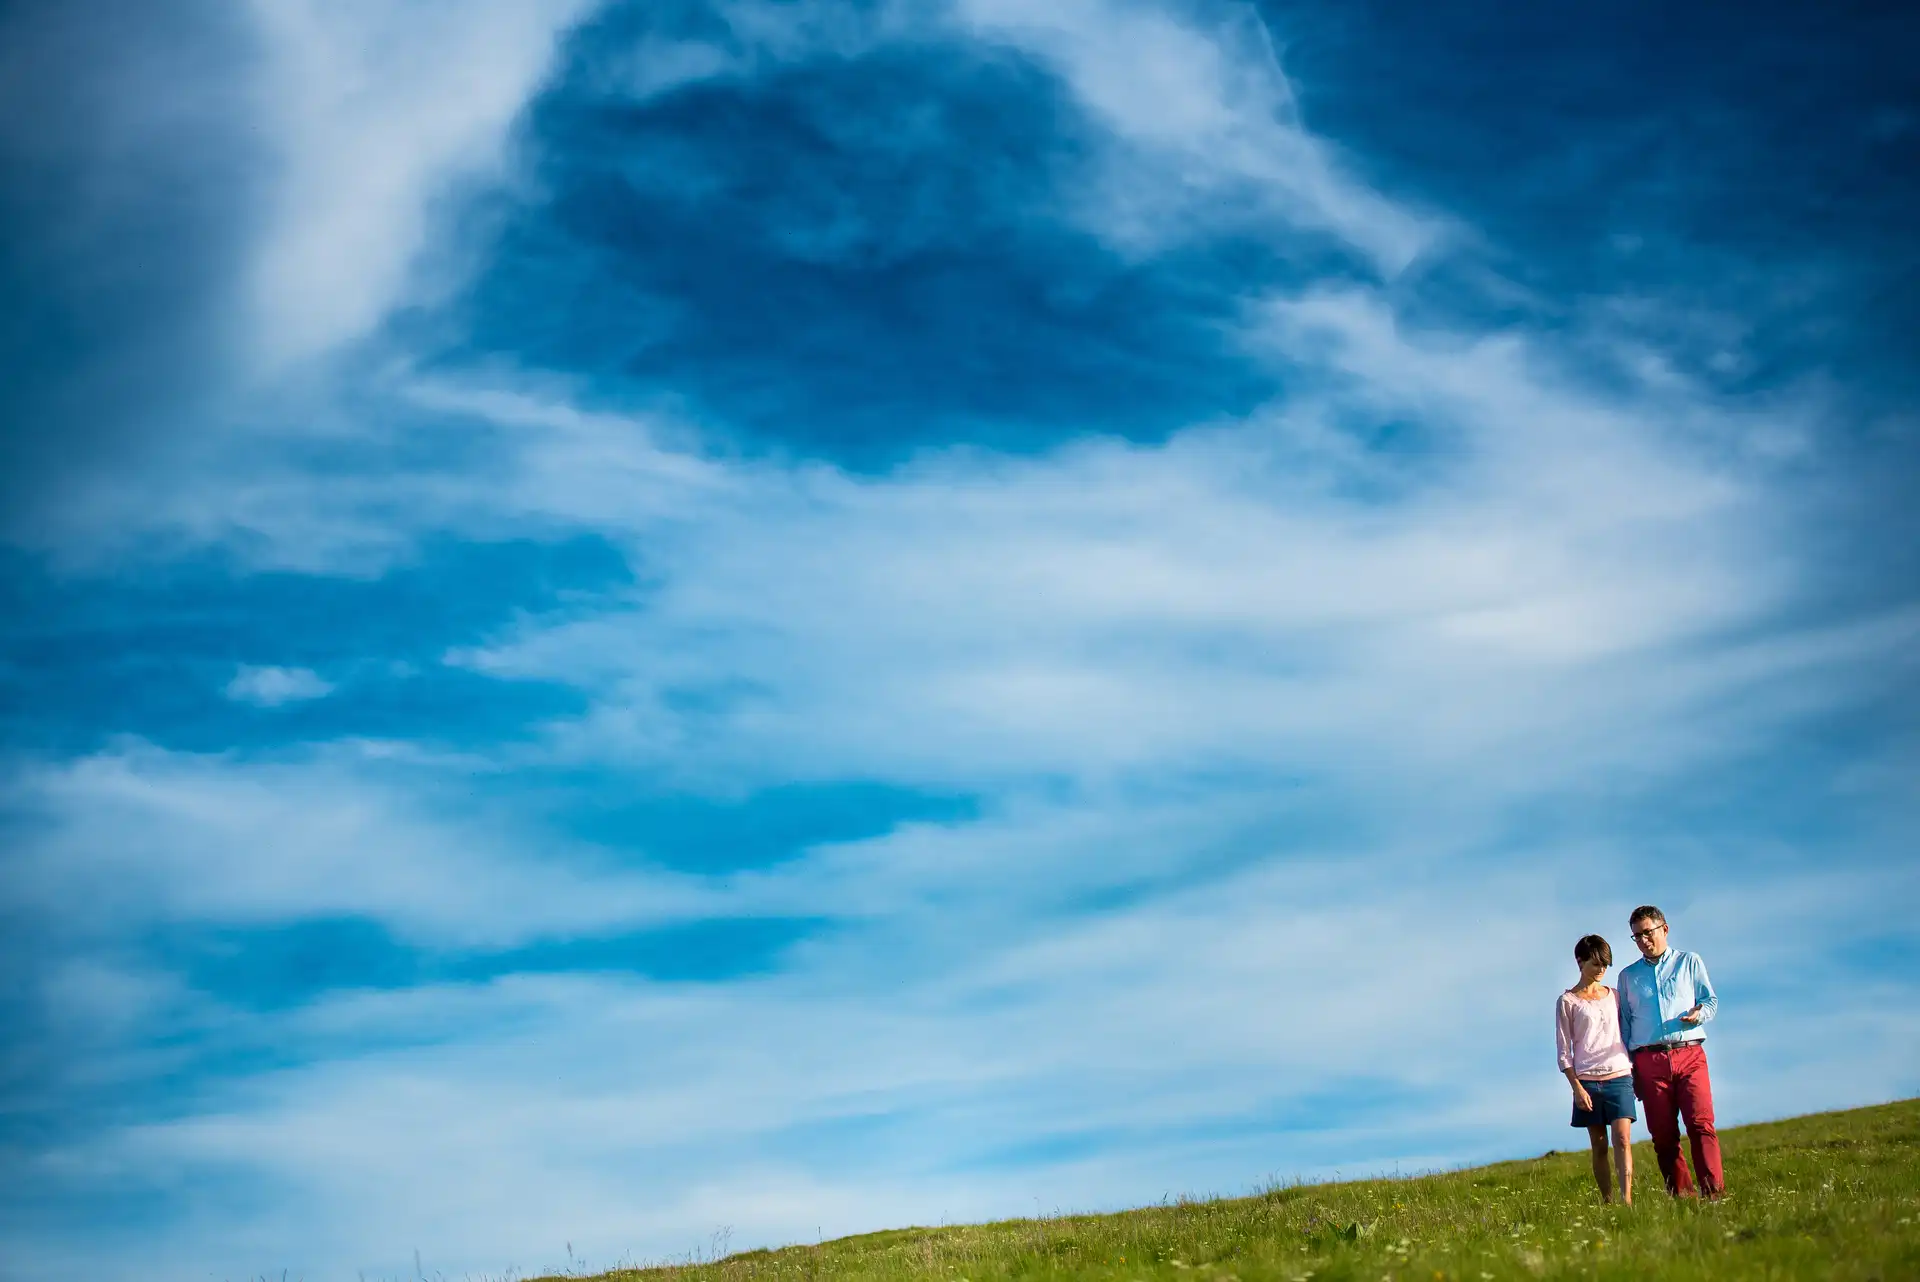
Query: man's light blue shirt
1653 996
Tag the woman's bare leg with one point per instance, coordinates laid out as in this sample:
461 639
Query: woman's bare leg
1623 1158
1597 1136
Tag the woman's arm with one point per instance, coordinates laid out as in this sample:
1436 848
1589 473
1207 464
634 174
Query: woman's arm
1580 1097
1563 1038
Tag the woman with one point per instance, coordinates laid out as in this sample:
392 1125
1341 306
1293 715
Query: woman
1595 1061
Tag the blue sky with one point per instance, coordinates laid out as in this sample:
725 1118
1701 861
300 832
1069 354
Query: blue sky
629 622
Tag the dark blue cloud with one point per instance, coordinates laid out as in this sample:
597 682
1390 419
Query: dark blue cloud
1764 158
285 965
83 660
50 1092
1749 173
685 952
721 835
854 258
273 967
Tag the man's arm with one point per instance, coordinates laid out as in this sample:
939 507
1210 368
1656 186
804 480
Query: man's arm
1624 999
1705 1003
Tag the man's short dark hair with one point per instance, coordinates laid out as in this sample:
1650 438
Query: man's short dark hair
1593 948
1646 912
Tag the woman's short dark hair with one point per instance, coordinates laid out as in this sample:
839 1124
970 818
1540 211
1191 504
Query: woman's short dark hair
1593 948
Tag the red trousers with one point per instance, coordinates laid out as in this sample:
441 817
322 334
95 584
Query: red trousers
1673 1085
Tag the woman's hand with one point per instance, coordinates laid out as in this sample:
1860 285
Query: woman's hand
1582 1100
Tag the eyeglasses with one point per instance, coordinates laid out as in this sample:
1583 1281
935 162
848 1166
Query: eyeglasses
1650 931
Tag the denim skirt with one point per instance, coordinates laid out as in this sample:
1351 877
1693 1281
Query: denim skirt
1612 1101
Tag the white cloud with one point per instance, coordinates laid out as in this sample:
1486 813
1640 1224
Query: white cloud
1198 124
1206 124
1557 575
867 1088
269 687
1550 578
1174 671
381 113
376 111
144 834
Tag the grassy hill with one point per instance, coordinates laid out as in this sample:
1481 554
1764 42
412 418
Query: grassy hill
1835 1195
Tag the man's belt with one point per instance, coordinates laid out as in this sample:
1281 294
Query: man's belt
1671 1046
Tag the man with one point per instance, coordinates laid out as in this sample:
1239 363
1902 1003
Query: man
1666 1002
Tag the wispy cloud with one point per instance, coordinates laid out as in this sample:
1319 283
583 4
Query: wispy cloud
1230 687
1206 131
269 687
1186 1042
373 135
177 837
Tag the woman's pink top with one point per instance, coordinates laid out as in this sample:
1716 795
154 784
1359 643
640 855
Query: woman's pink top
1589 1036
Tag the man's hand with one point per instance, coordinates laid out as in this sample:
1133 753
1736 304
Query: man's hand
1582 1100
1691 1017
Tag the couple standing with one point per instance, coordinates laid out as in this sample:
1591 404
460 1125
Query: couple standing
1648 1039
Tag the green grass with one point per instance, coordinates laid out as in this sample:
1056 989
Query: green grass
1835 1195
